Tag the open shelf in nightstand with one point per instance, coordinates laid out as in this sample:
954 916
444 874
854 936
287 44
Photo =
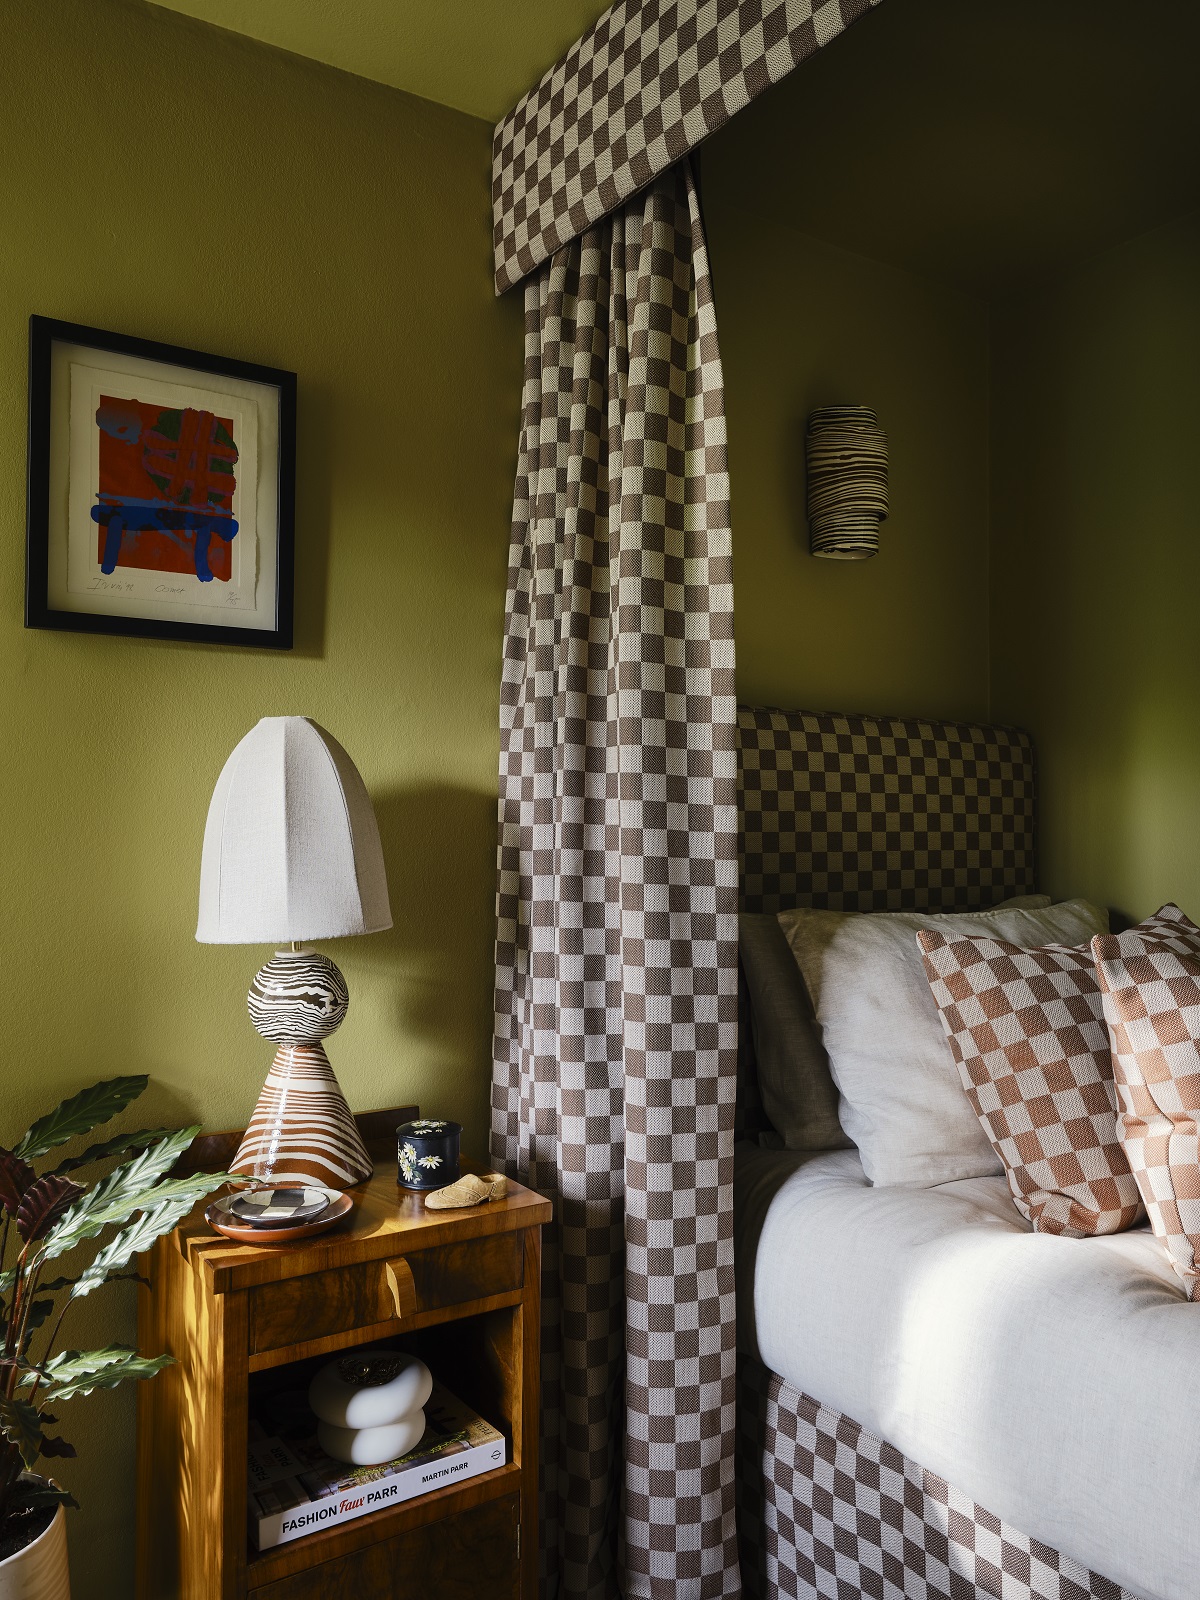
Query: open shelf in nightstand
469 1356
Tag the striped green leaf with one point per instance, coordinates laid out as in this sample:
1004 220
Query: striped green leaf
38 1312
30 1492
21 1426
76 1372
133 1186
120 1144
141 1234
80 1114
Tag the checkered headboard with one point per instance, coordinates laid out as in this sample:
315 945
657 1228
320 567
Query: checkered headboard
643 86
861 813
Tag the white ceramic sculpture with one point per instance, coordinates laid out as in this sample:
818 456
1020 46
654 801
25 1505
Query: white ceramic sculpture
367 1447
369 1389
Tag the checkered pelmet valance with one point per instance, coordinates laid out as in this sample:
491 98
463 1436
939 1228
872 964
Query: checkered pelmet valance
860 813
641 88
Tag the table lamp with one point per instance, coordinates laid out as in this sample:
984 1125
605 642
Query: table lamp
291 853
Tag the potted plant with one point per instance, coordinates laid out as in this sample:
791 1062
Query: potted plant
43 1216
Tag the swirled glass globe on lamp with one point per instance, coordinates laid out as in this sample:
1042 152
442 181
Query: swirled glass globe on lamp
292 853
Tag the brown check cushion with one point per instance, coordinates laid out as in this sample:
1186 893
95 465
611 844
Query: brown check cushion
1151 997
1027 1030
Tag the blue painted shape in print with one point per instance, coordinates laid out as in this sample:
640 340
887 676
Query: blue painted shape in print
119 421
116 515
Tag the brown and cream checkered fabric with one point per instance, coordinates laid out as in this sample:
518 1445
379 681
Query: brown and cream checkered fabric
616 960
855 813
634 95
827 1510
1151 993
1028 1033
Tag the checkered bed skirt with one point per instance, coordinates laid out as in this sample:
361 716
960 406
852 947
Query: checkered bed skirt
825 1509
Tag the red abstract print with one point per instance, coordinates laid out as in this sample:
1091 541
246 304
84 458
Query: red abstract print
164 500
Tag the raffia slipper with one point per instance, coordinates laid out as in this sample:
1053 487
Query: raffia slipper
468 1191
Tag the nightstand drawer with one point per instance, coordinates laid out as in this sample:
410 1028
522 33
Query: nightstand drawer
461 1558
362 1295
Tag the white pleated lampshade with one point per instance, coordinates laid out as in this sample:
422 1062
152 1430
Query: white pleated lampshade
291 846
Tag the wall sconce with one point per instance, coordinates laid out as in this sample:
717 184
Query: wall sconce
847 458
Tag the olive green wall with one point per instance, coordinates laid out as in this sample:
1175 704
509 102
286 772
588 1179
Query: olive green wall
1041 563
803 324
164 179
1096 565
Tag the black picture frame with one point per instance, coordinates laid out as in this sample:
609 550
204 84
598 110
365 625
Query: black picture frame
44 334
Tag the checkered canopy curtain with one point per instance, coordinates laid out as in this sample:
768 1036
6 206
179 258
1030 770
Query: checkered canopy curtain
644 86
616 966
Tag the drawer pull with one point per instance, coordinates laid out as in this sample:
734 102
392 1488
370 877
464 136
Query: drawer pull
399 1278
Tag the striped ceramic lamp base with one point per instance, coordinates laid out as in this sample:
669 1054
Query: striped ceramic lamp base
302 1130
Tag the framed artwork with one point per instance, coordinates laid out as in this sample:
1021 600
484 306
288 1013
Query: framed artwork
161 496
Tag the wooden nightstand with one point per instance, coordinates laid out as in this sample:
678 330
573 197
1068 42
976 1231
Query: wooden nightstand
460 1288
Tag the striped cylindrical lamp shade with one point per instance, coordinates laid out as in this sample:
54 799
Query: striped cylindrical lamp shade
847 460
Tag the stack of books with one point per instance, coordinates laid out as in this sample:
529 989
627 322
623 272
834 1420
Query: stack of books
296 1489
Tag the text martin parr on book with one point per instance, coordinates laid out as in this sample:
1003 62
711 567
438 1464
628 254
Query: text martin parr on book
295 1488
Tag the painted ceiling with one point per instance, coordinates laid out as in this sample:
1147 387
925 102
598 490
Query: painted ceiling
986 142
478 56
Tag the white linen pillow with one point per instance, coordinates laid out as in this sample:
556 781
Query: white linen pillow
900 1096
789 1061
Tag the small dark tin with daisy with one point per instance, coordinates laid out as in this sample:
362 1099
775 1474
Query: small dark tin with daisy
427 1153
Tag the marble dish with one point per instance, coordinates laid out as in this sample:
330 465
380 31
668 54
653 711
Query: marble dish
279 1208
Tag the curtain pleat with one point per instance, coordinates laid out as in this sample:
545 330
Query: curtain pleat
616 961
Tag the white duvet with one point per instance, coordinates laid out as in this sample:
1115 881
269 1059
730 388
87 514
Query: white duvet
1055 1381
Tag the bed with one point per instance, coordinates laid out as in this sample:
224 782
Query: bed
935 1401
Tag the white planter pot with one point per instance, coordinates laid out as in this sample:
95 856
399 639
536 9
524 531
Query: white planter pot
39 1572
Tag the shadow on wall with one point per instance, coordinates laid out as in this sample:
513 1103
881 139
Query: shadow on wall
314 500
439 842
